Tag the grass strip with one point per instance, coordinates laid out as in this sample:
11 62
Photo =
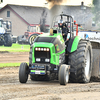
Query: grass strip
10 64
16 48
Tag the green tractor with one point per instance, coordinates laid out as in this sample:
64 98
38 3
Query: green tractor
53 57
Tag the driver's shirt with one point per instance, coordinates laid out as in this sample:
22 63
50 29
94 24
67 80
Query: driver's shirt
65 31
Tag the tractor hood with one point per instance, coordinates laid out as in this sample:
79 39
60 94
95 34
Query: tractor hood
56 40
48 48
47 51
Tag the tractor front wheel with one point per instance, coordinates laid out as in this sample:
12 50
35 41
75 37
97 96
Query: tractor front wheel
63 74
23 72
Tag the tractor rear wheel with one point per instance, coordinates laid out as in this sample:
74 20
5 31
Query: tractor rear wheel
63 74
23 72
81 62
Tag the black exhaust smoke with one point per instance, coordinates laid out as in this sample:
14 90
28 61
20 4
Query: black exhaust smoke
55 1
55 8
51 3
43 20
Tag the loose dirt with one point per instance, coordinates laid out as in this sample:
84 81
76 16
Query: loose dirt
12 89
10 57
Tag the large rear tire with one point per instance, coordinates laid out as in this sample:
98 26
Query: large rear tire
23 72
63 74
81 63
7 40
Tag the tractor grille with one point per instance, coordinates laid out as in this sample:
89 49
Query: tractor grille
42 55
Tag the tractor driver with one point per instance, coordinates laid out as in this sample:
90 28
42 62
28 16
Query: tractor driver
64 28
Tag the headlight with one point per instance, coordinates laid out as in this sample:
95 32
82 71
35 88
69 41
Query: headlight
36 49
42 49
39 49
47 60
38 59
47 49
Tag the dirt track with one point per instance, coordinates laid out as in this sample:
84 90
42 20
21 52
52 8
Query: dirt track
14 57
12 89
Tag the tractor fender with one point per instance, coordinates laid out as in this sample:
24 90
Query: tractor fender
73 44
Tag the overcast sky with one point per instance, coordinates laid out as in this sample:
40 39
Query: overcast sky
42 2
